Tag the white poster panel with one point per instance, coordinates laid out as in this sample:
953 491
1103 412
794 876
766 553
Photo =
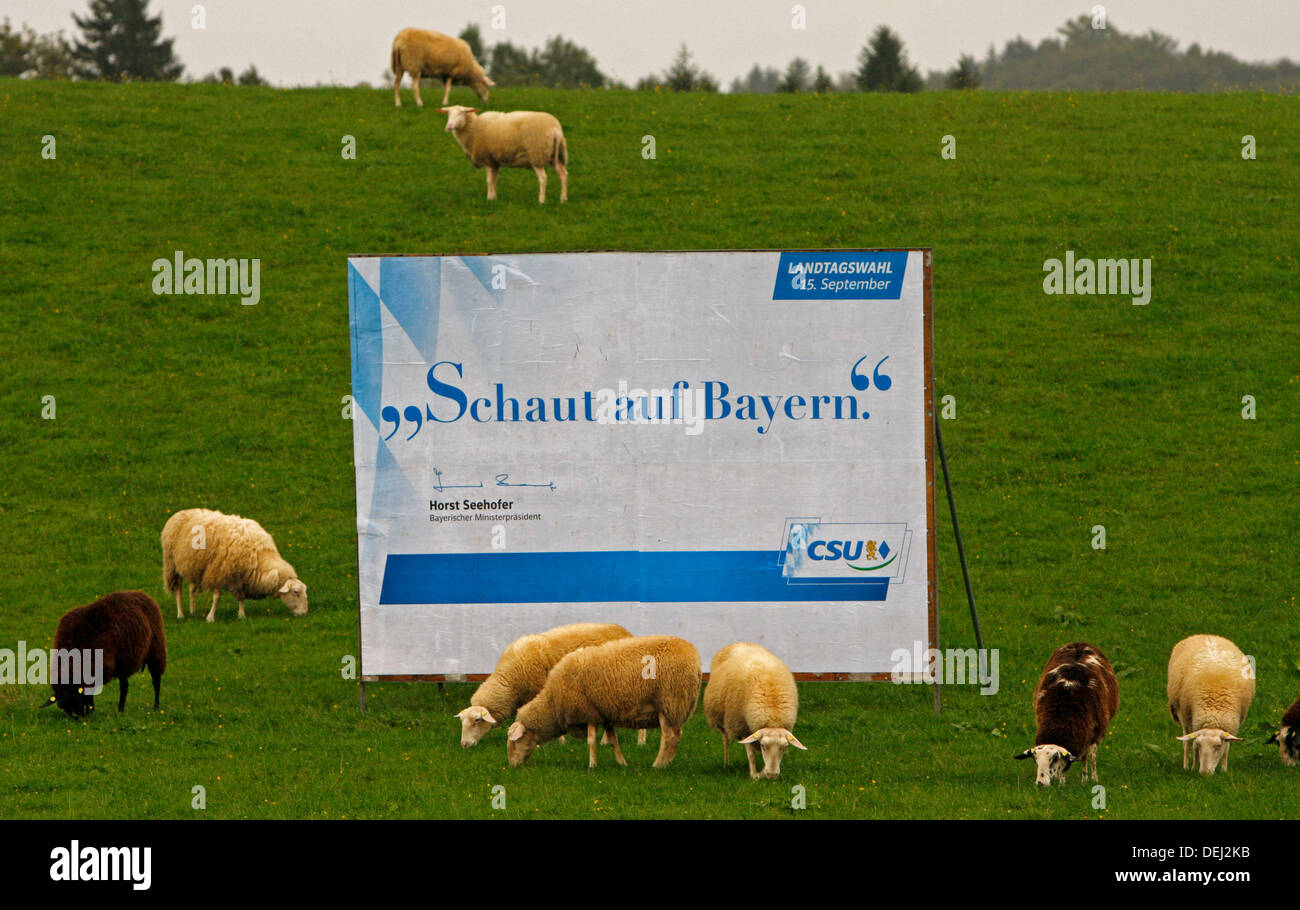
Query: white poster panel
724 446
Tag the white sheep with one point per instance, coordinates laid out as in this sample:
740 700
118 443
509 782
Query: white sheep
217 552
635 683
438 56
1211 686
521 672
752 698
494 140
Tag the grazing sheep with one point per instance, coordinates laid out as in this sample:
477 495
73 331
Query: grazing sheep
751 697
495 140
628 682
521 672
438 56
216 552
1288 735
1075 701
126 627
1211 686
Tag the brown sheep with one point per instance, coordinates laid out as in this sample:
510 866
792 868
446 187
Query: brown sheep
438 56
126 627
1075 701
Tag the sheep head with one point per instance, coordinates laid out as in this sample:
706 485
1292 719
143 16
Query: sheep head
476 722
72 699
1288 745
294 595
520 744
459 117
773 741
1209 747
1052 763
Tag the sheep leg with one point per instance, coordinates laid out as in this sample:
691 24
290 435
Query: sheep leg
591 745
121 695
613 739
446 90
179 614
157 682
191 598
415 84
1185 744
541 183
726 750
669 737
212 614
641 736
1092 757
1226 747
397 88
492 181
564 181
750 749
241 607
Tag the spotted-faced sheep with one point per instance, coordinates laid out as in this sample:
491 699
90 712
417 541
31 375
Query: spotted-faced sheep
124 633
752 698
1075 700
635 683
217 552
1211 686
521 672
1288 735
438 56
495 140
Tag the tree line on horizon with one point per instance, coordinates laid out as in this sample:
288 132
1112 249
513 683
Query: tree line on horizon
120 41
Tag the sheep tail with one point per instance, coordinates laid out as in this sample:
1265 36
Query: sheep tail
396 63
560 150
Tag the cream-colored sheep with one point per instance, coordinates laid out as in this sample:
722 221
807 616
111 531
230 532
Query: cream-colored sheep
521 672
438 56
1211 686
495 140
217 552
636 683
752 698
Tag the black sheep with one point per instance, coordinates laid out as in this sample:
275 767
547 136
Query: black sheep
127 626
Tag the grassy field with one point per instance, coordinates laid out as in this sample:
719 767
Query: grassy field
1071 412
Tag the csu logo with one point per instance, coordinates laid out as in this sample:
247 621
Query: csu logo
828 551
873 555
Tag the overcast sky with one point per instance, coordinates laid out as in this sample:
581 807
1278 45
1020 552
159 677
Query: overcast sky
296 42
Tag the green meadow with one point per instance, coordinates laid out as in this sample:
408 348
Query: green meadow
119 406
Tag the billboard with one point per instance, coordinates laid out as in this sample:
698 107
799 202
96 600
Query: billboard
725 446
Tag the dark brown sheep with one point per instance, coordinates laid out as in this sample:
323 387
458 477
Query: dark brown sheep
1288 735
127 627
1074 703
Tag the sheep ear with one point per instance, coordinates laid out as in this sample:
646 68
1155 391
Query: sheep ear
794 742
1232 739
48 703
1186 737
487 80
444 110
751 738
471 110
1272 739
487 716
516 731
1028 753
1070 758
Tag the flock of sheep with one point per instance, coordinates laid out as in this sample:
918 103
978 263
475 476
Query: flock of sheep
587 677
1211 685
492 140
